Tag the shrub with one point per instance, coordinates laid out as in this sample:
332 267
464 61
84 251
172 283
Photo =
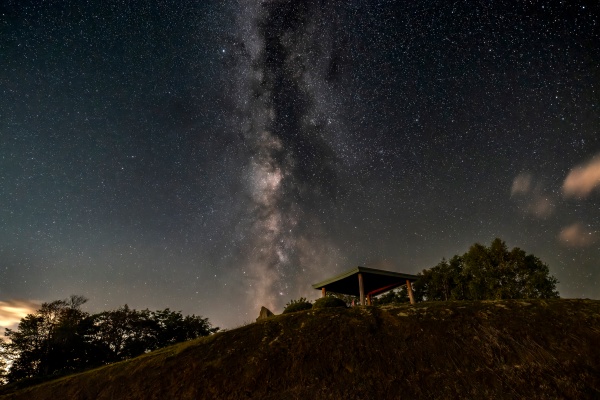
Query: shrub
348 299
326 302
297 305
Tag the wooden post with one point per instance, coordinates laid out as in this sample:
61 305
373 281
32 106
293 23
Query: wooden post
323 292
361 289
369 301
411 296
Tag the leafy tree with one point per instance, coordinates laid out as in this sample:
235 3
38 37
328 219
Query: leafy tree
297 305
493 272
117 334
173 327
329 302
3 365
442 282
59 338
125 333
399 295
347 298
49 341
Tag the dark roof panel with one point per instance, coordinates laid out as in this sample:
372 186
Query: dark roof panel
375 281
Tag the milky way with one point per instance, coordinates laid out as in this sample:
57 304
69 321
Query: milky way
291 173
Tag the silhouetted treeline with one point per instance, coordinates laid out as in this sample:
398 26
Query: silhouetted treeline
482 273
60 338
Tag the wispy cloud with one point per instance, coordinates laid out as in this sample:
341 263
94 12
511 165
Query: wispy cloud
531 196
11 312
576 235
521 184
540 207
583 179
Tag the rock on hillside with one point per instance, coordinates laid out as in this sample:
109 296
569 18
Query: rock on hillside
498 349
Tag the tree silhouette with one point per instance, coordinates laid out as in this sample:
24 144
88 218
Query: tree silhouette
60 338
484 273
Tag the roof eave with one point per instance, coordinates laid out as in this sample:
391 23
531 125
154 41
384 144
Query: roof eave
337 277
358 269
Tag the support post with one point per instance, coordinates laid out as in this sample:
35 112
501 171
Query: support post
361 289
369 301
323 292
411 296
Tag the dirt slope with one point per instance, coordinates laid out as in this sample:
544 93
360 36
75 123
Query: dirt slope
501 350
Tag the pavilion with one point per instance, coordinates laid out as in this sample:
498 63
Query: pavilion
366 282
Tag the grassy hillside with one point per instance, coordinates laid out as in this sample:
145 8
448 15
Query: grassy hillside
501 350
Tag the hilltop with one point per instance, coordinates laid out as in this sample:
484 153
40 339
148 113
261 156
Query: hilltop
435 350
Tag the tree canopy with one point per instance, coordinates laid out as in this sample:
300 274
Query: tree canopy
60 338
482 273
485 273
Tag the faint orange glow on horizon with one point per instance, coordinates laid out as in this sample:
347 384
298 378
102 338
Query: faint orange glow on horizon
11 312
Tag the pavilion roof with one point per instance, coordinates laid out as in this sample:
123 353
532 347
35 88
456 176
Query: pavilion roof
375 281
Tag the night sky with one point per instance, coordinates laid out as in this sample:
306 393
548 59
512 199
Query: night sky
216 156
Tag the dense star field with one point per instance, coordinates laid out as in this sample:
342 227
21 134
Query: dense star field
216 156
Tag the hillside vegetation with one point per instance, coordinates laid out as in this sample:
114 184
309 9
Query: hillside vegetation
509 349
